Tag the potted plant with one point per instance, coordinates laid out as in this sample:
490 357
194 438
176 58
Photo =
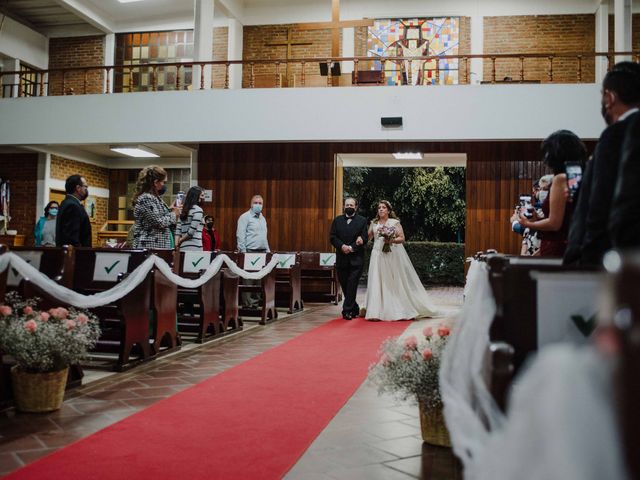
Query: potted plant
409 368
43 345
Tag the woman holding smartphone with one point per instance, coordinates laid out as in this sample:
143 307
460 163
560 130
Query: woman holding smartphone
559 149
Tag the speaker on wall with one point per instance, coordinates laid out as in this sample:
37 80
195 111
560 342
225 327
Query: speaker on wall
391 121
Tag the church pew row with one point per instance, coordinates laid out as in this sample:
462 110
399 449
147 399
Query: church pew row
319 281
538 302
211 310
288 282
625 318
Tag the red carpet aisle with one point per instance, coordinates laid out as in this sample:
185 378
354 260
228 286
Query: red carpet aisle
251 422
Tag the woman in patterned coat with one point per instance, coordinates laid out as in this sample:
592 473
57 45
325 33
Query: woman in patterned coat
155 223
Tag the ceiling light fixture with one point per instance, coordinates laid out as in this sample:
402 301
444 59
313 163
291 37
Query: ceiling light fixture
136 151
129 1
407 156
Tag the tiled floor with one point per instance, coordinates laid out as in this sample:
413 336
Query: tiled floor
372 437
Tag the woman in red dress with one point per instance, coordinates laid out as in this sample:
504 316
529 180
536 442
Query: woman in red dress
210 237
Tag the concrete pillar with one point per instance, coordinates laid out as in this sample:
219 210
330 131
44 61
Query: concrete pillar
622 28
109 58
476 65
602 40
234 52
348 48
203 40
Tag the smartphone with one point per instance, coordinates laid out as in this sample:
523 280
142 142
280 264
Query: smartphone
179 199
574 177
525 205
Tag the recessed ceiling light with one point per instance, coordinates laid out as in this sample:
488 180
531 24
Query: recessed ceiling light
129 1
407 156
134 151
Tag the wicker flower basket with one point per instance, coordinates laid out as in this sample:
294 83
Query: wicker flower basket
434 430
38 392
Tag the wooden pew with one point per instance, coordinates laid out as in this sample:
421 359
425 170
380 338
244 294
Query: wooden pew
288 283
319 283
164 298
266 287
230 312
125 325
626 321
199 309
515 329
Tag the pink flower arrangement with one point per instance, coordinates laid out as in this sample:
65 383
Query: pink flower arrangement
409 367
45 341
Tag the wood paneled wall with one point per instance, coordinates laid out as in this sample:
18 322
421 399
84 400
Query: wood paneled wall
297 181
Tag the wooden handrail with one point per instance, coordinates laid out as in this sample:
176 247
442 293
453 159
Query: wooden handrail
581 57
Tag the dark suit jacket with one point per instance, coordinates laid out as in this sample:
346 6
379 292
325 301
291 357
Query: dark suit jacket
72 225
343 233
624 221
589 235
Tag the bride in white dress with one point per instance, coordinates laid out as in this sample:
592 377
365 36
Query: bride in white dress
394 290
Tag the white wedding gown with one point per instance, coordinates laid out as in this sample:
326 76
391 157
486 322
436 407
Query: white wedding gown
394 290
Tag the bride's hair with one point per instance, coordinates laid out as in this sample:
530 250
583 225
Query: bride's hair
387 204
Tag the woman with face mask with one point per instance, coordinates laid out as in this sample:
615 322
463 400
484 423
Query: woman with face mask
155 223
45 231
210 236
191 220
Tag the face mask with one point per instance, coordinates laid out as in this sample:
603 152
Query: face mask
256 208
209 225
84 195
53 212
349 211
542 195
162 190
605 115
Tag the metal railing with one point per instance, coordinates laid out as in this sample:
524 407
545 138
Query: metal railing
100 79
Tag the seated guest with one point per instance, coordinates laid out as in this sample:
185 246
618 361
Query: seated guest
210 237
72 225
624 221
154 222
558 149
589 234
45 231
191 220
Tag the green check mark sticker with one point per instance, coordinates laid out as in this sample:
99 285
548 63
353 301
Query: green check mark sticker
253 262
108 269
284 262
328 259
195 264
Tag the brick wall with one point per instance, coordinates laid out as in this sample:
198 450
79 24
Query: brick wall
220 52
361 38
21 169
96 176
76 52
256 38
540 34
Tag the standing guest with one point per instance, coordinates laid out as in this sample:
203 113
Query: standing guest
348 235
624 223
210 237
73 226
155 223
191 220
589 235
558 149
45 231
251 236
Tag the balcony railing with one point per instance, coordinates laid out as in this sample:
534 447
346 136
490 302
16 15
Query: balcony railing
302 72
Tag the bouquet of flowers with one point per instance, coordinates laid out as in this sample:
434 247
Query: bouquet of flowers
410 368
388 233
45 341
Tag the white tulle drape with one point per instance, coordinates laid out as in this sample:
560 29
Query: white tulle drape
470 411
70 297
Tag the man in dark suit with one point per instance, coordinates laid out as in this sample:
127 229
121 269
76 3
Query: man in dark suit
73 226
624 221
349 235
589 237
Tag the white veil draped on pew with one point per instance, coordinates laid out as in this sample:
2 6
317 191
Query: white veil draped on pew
561 422
469 408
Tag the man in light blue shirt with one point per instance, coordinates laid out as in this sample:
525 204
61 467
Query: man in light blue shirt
251 236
